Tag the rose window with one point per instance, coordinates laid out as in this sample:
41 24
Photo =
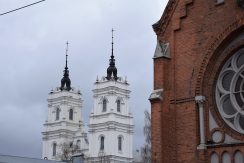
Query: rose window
230 92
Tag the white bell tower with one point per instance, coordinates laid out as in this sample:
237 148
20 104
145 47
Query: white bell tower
64 126
111 123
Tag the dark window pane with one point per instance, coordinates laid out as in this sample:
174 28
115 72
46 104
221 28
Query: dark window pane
227 80
104 105
71 112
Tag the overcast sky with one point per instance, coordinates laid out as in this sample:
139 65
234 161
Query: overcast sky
32 51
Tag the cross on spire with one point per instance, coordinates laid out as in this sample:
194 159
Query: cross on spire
112 42
67 48
66 80
112 70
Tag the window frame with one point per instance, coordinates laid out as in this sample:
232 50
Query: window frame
118 102
120 143
104 105
54 149
57 114
71 114
102 146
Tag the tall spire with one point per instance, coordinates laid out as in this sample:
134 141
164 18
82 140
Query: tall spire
65 80
112 70
67 48
112 55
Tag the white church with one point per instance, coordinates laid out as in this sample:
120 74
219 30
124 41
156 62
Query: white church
110 134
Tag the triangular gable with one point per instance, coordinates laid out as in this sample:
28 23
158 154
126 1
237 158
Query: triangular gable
161 25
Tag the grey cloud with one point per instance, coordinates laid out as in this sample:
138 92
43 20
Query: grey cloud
32 55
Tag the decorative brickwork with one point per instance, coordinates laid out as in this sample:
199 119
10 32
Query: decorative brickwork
202 36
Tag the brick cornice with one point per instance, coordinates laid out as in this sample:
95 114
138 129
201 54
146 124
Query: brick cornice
161 25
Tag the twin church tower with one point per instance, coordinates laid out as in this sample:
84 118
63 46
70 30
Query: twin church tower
110 134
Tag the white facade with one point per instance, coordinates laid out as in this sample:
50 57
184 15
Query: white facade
111 123
110 127
64 123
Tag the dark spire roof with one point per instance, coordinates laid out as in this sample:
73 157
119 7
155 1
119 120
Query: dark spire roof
65 80
112 70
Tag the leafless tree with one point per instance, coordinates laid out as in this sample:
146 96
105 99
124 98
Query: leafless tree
89 159
146 149
103 158
67 150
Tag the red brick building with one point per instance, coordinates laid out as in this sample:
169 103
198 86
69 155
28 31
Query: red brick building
198 98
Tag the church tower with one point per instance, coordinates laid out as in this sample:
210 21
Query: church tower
111 123
198 100
63 129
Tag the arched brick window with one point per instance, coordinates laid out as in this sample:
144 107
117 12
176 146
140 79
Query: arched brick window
226 158
214 158
238 157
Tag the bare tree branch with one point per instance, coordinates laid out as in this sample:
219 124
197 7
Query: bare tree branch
146 149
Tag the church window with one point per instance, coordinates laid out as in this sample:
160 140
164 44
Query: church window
214 158
78 144
238 157
54 149
104 105
57 113
102 143
226 158
229 94
120 143
118 105
86 140
71 112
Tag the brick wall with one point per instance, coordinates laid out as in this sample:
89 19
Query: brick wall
198 32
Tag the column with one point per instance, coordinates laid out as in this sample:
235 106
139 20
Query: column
200 100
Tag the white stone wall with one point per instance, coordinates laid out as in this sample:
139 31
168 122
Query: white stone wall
111 123
62 130
111 144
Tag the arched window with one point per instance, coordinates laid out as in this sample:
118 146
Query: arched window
120 143
226 158
238 157
71 112
54 149
104 105
102 143
214 158
57 114
118 105
78 144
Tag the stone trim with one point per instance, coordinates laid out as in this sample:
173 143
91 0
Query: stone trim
162 50
156 95
200 100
